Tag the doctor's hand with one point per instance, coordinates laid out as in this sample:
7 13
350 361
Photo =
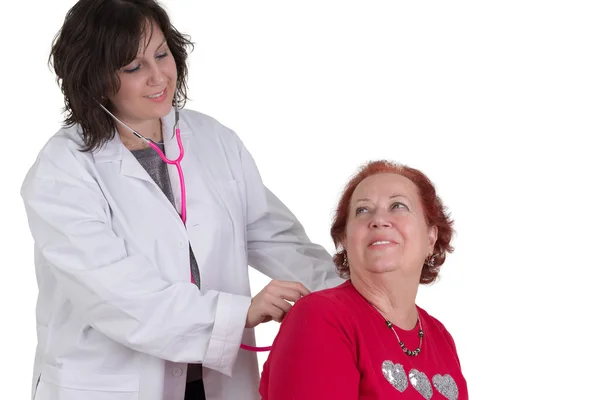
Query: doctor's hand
270 303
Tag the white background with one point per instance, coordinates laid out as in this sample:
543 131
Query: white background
498 102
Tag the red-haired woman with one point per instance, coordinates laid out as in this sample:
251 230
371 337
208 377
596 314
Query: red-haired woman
367 339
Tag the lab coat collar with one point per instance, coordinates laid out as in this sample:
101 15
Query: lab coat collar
115 151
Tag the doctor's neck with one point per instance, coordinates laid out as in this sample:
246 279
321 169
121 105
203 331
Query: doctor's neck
152 129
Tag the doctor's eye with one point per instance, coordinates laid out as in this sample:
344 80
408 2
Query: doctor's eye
131 70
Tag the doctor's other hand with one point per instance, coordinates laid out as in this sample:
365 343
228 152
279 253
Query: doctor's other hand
271 303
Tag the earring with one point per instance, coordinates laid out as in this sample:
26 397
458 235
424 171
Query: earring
345 263
430 261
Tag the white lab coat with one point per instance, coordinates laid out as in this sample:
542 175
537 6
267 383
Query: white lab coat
117 316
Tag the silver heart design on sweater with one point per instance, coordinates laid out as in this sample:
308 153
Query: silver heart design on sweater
395 375
446 386
421 383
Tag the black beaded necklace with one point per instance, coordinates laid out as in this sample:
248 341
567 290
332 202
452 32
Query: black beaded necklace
411 353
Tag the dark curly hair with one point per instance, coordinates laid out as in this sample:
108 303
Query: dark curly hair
98 37
435 215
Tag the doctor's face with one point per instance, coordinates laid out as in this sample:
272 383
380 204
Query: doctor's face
148 83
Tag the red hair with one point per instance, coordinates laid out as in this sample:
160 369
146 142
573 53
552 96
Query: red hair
433 208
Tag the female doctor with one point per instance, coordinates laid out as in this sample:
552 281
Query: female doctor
144 291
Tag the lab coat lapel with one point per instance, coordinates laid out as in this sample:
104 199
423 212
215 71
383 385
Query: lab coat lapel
115 151
130 166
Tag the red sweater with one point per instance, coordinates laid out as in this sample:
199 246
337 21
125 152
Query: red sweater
334 345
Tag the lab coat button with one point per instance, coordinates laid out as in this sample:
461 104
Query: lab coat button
177 372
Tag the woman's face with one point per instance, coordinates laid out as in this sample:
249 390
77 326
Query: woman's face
148 83
386 229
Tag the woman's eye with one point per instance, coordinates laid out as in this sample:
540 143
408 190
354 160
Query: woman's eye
361 210
162 55
399 205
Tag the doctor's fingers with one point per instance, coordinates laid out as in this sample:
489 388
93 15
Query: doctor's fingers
281 293
264 301
288 285
266 305
282 305
277 311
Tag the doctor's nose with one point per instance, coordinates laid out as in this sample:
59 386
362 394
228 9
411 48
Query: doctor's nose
157 77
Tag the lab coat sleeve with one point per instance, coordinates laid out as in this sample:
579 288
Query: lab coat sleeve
123 295
277 243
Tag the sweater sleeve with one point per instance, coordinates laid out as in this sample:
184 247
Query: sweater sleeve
314 355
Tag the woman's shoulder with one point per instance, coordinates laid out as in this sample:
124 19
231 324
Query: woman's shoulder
326 312
323 303
340 292
437 326
431 320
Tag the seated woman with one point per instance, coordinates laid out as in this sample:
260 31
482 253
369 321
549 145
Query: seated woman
367 339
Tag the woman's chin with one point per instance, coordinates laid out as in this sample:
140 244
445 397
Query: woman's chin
383 267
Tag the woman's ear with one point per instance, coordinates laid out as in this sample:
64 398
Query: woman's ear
343 240
433 234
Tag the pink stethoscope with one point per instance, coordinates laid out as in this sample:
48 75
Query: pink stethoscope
177 163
